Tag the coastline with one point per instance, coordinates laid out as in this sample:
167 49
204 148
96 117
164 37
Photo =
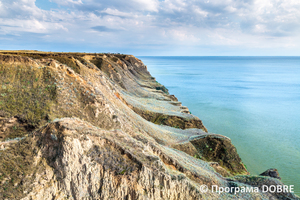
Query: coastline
133 112
251 100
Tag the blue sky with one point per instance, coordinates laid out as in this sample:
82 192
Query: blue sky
153 27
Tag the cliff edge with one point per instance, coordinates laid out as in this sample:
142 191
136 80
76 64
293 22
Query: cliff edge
99 126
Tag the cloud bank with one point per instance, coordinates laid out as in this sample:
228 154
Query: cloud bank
153 27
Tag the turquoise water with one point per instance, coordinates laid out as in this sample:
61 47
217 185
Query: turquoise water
255 101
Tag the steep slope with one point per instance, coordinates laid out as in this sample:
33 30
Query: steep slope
98 126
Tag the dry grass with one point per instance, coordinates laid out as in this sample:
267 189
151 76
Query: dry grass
17 169
97 62
28 91
67 60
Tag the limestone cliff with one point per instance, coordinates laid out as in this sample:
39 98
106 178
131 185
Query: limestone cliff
98 126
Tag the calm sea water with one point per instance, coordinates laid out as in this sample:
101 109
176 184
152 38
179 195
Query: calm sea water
255 101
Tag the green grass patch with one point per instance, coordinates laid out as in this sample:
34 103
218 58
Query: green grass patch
20 94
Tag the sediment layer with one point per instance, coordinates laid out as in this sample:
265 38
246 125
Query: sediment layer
99 126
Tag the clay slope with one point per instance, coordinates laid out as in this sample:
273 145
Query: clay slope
98 126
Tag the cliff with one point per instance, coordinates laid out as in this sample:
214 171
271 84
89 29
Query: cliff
98 126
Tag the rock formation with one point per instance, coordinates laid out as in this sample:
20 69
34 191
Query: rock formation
98 126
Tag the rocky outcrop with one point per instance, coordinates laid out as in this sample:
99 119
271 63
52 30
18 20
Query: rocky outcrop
217 148
271 173
98 126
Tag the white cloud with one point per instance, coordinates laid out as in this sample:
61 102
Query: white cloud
67 2
12 9
148 5
248 23
199 11
116 12
230 9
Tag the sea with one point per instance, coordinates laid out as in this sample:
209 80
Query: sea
255 101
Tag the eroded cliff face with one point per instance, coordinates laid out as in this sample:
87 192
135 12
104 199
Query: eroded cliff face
98 126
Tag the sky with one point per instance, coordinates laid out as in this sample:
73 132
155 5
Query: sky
153 27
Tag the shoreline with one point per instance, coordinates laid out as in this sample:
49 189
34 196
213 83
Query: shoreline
140 124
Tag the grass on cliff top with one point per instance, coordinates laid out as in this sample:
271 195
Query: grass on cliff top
67 60
26 92
62 58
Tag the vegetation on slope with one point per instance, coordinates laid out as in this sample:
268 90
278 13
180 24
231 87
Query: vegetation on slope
26 92
18 169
